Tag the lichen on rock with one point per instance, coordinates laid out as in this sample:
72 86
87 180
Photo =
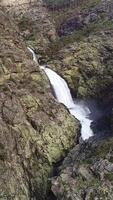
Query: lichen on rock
35 130
86 173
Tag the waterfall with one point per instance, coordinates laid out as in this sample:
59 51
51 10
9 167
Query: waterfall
63 95
60 87
34 56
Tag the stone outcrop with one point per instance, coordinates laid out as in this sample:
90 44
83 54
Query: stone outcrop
96 15
87 66
87 173
33 20
78 22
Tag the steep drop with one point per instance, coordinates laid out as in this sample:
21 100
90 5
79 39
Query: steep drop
63 95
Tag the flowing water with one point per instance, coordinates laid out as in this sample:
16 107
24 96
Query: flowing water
63 95
34 56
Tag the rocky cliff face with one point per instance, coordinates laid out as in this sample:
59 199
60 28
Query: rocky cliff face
33 21
35 131
87 66
85 57
87 173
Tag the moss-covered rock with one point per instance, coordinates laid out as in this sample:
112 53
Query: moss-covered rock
35 131
87 66
86 172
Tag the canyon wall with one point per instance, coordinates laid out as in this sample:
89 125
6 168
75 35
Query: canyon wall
35 131
33 20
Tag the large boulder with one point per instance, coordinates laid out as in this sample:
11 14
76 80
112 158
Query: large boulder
86 173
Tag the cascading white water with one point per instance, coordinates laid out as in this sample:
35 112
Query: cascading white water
61 90
34 56
63 95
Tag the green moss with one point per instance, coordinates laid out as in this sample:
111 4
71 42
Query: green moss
24 23
102 23
109 177
91 4
30 103
70 11
8 196
85 184
56 46
78 36
104 148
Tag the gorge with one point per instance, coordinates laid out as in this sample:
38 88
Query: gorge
94 117
56 100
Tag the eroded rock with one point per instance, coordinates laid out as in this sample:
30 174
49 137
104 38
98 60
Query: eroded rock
86 173
35 131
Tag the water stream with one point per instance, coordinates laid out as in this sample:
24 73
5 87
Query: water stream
33 53
63 95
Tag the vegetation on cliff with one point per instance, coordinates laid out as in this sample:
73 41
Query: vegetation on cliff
36 132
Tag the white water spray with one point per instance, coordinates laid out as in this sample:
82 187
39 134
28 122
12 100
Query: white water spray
63 95
61 90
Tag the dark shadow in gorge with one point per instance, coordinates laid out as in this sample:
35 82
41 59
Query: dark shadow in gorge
101 115
51 196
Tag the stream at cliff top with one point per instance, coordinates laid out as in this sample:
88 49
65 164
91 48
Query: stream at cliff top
94 119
